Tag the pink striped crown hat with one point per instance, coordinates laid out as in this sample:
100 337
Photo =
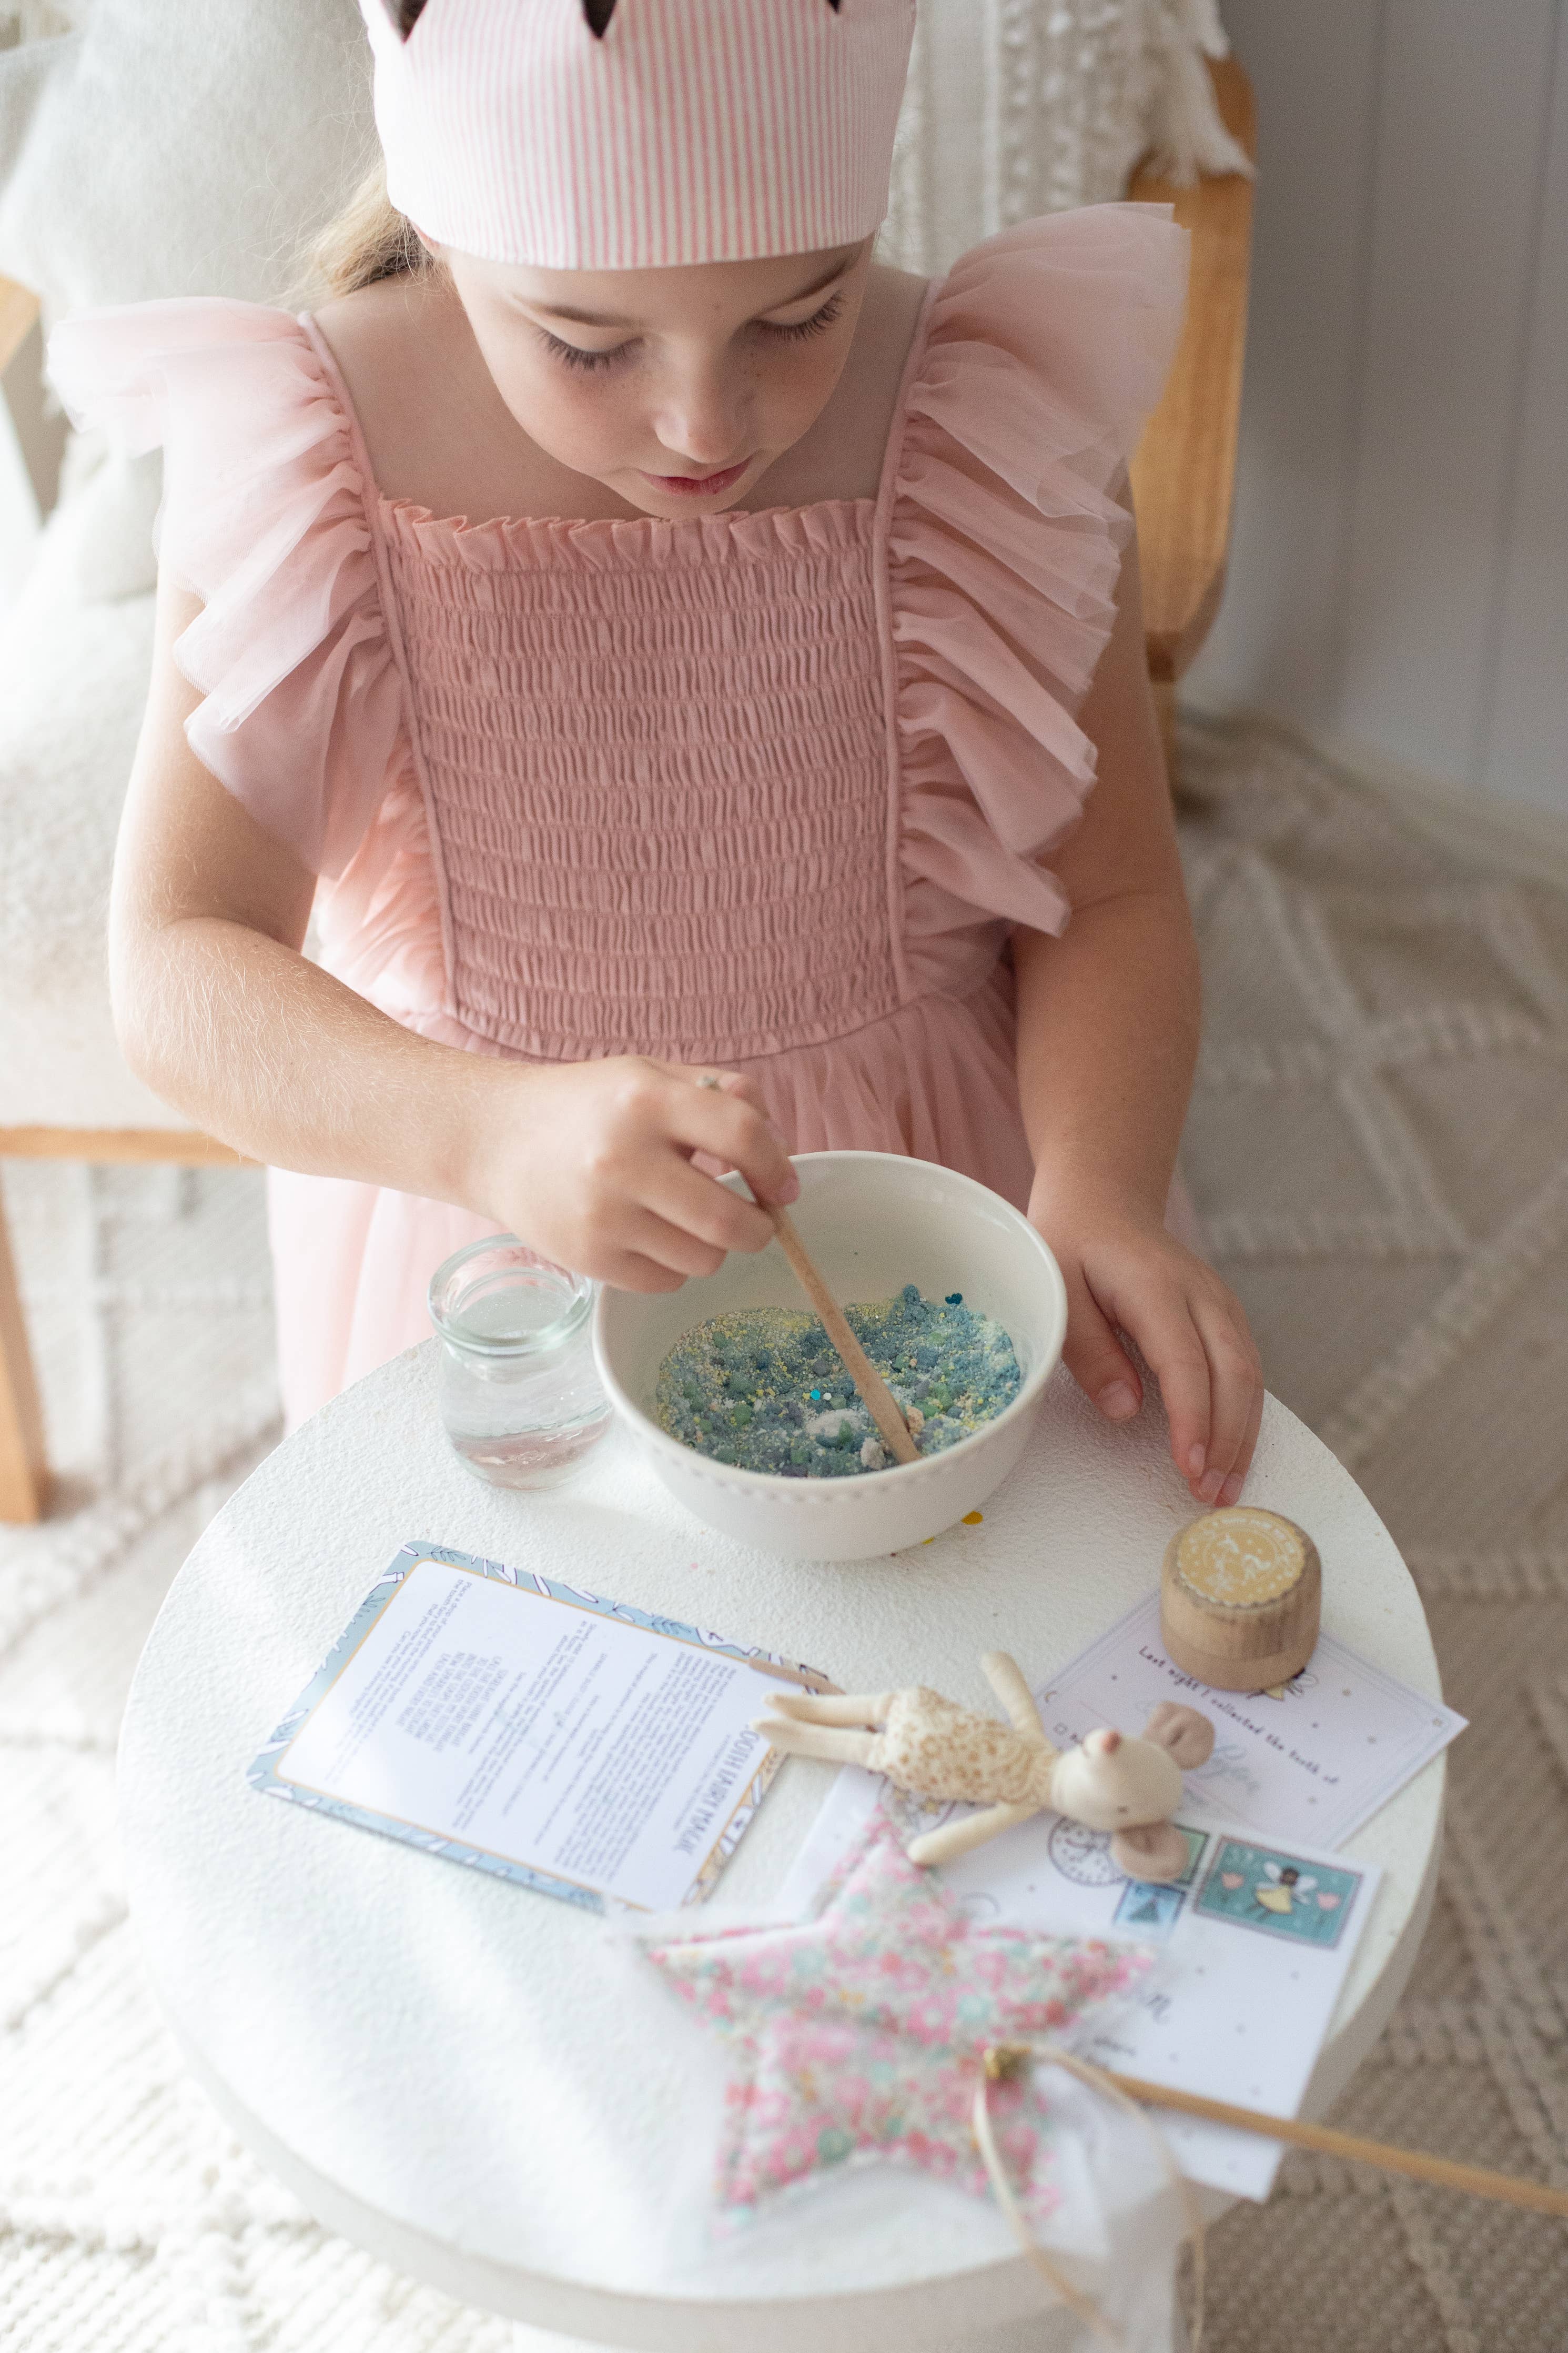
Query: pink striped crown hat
636 134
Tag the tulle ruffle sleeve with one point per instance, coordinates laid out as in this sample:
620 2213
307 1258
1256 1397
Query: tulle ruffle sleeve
1045 349
264 518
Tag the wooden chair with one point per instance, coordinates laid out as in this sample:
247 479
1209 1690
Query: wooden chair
1181 478
1184 467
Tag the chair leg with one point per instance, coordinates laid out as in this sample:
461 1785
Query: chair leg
25 1483
24 1476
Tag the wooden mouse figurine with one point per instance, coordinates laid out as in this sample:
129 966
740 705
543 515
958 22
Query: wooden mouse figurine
934 1748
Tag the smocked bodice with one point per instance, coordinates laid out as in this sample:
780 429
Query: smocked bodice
656 758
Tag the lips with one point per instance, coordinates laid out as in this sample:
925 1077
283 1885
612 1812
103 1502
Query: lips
698 485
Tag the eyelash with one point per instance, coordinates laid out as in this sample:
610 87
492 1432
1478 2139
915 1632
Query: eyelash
573 355
818 322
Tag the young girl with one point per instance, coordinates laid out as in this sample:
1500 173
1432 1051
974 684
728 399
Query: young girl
659 648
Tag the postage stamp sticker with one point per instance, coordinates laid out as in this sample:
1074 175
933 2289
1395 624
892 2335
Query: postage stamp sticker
1270 1889
1196 1842
1149 1913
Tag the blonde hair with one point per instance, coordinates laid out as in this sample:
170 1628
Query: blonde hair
369 239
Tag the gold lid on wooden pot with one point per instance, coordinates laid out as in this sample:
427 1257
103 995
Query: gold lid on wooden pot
1240 1592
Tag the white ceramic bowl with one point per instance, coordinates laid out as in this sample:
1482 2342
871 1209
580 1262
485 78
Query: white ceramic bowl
873 1222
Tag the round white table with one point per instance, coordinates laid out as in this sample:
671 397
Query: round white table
459 2074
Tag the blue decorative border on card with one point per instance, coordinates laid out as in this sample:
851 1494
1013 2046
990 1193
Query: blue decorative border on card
263 1775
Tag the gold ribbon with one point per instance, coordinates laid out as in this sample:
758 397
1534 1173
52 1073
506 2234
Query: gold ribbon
1000 2062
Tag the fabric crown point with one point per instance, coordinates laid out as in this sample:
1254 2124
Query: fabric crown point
638 134
598 13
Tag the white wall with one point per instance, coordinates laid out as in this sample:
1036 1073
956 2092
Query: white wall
1399 575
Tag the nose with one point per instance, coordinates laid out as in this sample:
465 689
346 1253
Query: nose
701 418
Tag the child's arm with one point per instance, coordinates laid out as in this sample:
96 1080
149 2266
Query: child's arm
219 1012
1108 1033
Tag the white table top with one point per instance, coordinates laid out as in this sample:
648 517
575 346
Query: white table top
475 2081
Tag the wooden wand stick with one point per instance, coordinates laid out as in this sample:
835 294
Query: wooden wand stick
1506 2188
880 1403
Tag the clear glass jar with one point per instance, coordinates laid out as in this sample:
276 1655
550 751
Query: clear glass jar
521 1398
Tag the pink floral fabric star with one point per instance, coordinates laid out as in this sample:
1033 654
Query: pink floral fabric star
862 2032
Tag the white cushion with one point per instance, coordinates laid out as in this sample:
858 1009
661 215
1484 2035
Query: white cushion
175 147
73 680
233 129
179 147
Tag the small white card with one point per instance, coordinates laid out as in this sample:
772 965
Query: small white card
525 1727
1256 1938
1312 1758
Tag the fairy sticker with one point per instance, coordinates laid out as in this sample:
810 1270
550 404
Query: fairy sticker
1261 1888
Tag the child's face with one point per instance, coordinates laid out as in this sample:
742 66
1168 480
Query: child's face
677 388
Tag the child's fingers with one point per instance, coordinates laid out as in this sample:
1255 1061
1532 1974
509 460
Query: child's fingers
1236 1386
629 1271
735 1131
1231 1491
721 1220
1194 1337
1164 1328
740 1084
665 1243
1096 1358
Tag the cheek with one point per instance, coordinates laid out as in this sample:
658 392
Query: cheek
792 391
583 421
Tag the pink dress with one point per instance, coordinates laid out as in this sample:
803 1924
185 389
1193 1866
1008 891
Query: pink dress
762 790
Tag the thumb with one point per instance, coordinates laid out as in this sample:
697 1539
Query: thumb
1096 1358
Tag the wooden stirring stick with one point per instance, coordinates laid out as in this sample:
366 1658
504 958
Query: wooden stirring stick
1506 2188
878 1398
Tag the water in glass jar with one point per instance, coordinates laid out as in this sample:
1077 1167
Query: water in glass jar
528 1458
520 1396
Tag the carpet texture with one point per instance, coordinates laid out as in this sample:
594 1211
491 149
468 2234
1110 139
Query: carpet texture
1379 1151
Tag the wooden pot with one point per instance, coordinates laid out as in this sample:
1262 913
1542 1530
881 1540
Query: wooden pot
1240 1593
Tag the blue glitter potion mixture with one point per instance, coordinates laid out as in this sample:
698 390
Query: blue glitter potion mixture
764 1389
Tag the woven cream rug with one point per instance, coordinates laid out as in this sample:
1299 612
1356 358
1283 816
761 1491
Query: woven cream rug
1379 1148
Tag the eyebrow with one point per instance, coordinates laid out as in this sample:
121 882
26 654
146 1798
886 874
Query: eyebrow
602 318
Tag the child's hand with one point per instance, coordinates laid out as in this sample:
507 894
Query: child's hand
590 1163
1123 1268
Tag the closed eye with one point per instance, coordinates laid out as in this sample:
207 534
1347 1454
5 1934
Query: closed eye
573 355
816 324
588 362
